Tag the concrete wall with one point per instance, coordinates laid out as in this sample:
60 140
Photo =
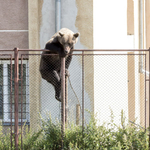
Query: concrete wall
112 73
13 24
147 24
75 16
120 83
34 9
13 33
99 29
102 24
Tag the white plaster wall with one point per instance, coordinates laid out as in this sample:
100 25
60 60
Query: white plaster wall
110 82
110 72
110 24
48 101
137 75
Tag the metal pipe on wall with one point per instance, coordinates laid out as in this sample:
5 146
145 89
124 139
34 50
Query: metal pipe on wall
57 15
141 35
58 19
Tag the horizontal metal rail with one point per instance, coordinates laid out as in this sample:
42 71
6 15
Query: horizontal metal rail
80 52
94 50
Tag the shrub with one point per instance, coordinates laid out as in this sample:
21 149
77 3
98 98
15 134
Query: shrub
97 137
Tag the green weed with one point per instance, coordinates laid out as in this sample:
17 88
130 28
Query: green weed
125 136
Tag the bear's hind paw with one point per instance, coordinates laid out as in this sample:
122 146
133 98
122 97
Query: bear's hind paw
67 73
59 99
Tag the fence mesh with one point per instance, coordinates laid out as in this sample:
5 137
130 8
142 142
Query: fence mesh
118 86
98 84
5 90
111 82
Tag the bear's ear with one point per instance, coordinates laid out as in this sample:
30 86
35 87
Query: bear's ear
76 34
61 34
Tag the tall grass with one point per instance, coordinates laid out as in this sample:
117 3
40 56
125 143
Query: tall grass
5 143
94 137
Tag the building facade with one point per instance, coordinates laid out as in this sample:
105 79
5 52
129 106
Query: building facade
111 82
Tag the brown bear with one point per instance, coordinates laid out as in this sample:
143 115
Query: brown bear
60 45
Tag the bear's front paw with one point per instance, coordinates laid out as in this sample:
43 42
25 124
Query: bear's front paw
62 54
58 98
67 73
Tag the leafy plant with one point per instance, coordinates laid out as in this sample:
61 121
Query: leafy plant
97 137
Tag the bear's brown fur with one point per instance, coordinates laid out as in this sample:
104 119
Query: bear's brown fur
62 44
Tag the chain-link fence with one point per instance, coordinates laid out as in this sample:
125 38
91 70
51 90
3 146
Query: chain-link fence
98 83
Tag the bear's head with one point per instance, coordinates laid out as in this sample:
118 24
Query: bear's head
67 39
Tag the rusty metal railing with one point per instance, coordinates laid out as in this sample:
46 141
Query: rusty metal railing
83 53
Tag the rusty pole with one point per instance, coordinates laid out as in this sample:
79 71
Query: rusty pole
21 100
82 91
83 95
77 114
11 99
145 95
66 101
16 128
149 98
63 98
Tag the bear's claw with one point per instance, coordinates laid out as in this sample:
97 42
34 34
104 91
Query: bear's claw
67 73
59 99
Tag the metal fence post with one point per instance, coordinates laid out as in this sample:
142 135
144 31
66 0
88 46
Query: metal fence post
83 95
16 128
82 90
149 97
77 114
63 98
11 100
66 101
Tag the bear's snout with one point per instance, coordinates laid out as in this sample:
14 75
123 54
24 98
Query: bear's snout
67 50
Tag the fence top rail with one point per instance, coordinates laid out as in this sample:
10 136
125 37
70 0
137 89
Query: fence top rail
83 50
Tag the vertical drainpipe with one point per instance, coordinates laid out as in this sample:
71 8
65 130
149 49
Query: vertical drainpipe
141 35
62 72
57 15
58 19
